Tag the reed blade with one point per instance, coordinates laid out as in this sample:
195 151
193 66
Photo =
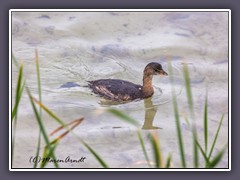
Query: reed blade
169 159
190 105
100 160
203 153
15 61
40 109
123 116
206 123
49 112
143 148
176 114
156 150
38 77
38 149
216 159
19 91
188 88
46 157
216 136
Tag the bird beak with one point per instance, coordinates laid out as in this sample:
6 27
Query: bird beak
162 72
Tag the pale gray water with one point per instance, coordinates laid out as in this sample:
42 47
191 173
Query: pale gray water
81 46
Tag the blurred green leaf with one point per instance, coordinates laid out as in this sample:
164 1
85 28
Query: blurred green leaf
47 155
216 136
206 123
216 159
203 153
15 61
19 90
156 150
176 114
169 159
40 100
123 116
143 148
190 104
100 160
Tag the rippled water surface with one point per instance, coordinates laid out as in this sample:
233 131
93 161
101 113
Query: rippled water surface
81 46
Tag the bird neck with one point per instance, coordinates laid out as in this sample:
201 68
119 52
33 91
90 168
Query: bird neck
147 86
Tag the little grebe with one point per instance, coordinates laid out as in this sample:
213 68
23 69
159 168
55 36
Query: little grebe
120 90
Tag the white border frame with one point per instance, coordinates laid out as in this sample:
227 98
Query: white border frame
120 10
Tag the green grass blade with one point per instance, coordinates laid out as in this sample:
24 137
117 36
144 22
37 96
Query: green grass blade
216 136
143 148
188 87
38 77
123 116
176 114
100 160
39 82
206 123
216 159
47 155
43 131
195 149
38 149
15 108
179 132
40 109
50 113
203 153
19 90
190 104
156 150
15 61
20 75
22 88
186 119
169 159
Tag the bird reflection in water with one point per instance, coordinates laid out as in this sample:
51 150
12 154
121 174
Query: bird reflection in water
150 112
